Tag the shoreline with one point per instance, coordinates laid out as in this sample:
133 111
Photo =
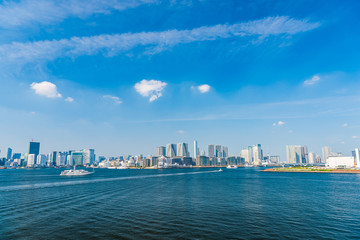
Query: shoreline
325 170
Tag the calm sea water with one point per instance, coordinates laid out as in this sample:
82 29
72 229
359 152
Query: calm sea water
239 203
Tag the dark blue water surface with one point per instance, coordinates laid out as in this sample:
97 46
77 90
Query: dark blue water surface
239 203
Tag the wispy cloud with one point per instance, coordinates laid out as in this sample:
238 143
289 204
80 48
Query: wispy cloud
115 99
150 88
279 123
111 45
181 131
204 88
46 89
312 81
26 12
69 99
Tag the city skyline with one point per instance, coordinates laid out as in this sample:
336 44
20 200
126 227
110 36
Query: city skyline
128 76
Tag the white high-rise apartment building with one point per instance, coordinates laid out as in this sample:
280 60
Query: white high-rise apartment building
160 151
182 150
211 150
247 155
312 158
170 150
196 150
293 154
257 153
30 160
326 152
88 156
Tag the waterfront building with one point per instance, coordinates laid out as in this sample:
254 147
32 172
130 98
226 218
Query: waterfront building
182 150
41 160
275 159
34 148
225 152
294 154
77 158
160 151
60 158
312 158
257 154
88 156
9 154
202 161
218 152
304 154
211 151
340 162
203 152
357 158
247 154
30 160
16 156
326 152
318 158
196 150
171 150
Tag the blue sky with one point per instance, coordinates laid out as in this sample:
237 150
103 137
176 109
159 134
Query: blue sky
126 76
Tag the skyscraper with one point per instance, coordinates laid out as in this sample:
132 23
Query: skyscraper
196 151
88 156
312 158
182 150
225 152
77 158
296 154
257 153
160 151
9 154
247 155
171 150
218 152
34 148
211 150
326 152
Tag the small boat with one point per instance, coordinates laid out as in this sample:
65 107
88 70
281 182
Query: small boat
232 166
74 172
220 170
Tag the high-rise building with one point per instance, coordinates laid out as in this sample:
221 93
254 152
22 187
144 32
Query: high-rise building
203 153
257 153
60 158
294 154
171 150
312 158
196 150
218 152
160 151
41 160
211 150
304 154
326 152
182 150
88 156
30 160
9 154
225 152
275 159
34 148
247 154
51 161
77 158
16 156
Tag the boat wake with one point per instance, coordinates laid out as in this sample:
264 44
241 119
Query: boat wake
70 183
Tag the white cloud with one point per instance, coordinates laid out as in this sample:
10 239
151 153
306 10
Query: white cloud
345 125
111 45
181 131
46 89
312 81
355 137
150 88
69 99
204 88
115 99
26 12
279 123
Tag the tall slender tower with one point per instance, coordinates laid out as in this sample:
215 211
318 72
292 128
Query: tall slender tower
196 153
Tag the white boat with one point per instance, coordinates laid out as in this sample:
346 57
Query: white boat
232 166
220 170
74 172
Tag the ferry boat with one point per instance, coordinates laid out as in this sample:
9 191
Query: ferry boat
74 172
232 166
